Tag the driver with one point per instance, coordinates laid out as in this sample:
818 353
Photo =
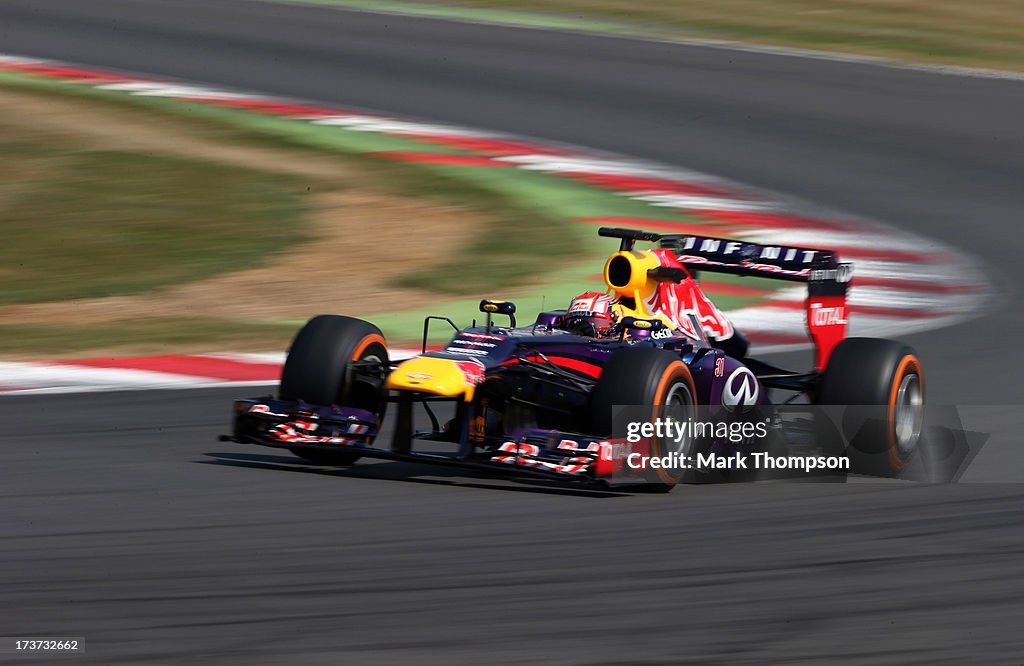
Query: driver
593 314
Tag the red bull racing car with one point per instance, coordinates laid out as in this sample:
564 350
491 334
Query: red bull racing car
541 399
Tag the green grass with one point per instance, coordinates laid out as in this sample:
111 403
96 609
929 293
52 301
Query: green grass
526 239
979 33
504 250
96 223
517 243
80 222
983 33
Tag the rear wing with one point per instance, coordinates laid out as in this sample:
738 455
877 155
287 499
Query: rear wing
827 278
781 262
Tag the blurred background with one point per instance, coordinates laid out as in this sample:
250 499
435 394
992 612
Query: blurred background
141 227
198 177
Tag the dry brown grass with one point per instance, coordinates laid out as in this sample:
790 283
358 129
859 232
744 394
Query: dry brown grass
979 32
337 270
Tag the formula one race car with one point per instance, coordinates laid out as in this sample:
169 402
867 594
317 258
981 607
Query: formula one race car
540 400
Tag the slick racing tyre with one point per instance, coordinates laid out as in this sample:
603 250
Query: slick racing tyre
657 380
881 382
320 369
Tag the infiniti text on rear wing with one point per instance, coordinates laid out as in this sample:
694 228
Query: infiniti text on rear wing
827 278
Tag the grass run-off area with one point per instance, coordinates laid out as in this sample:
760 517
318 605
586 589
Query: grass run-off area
979 33
93 223
85 218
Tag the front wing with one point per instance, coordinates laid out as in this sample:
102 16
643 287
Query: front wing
570 457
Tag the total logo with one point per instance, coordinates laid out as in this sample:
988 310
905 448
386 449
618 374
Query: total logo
741 390
827 316
615 451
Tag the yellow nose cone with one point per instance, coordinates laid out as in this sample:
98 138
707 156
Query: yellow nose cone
439 376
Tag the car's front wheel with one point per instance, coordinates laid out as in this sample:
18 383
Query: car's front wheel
662 384
336 360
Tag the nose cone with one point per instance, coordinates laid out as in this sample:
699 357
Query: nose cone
439 376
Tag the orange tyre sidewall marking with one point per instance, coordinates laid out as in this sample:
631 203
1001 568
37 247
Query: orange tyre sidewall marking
909 364
362 346
672 372
366 342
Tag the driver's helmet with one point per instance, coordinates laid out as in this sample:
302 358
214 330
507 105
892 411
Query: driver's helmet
591 314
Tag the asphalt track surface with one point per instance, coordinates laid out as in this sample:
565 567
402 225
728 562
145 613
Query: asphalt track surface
126 523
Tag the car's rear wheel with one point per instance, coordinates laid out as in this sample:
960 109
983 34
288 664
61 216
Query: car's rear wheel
657 380
881 382
336 360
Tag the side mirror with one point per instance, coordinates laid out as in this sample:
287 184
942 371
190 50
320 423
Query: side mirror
655 328
642 324
490 308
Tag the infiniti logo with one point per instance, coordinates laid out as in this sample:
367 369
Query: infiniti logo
740 391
